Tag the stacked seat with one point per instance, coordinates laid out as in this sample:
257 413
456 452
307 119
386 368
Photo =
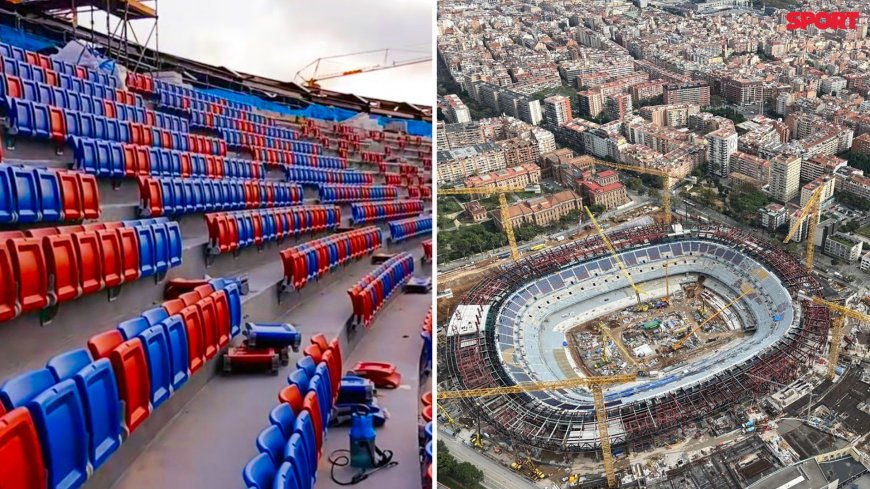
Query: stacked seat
54 265
279 157
291 447
32 194
314 259
370 294
337 194
166 196
427 250
392 178
372 157
232 231
107 159
64 421
409 228
301 174
366 212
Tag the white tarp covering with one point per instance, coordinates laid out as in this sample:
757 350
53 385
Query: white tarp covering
77 53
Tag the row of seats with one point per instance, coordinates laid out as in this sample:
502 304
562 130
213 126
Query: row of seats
427 250
103 102
409 228
53 265
290 448
337 194
365 212
229 232
393 178
50 67
298 156
195 94
46 122
317 176
176 196
66 420
313 259
235 120
107 159
376 287
31 194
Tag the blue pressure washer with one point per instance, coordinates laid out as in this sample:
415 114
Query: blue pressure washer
364 454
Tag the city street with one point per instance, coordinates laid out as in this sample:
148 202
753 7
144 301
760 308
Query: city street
495 476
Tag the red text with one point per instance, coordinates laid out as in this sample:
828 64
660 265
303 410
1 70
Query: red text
822 20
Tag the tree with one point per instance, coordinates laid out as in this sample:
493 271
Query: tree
851 226
654 193
633 183
597 209
467 473
835 262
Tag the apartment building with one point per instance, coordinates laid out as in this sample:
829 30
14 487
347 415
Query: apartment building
694 92
843 246
457 164
455 110
557 110
785 173
721 144
517 176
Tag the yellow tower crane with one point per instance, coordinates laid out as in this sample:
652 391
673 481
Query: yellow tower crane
615 255
665 176
607 332
812 210
836 327
682 340
312 80
503 206
596 384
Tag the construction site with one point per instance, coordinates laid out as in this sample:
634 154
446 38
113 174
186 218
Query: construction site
626 358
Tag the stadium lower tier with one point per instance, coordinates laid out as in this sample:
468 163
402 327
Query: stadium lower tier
521 310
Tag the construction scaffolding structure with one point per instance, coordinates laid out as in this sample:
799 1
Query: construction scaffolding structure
474 362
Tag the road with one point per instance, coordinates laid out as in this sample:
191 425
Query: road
495 475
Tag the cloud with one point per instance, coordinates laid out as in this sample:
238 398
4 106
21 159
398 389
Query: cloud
276 38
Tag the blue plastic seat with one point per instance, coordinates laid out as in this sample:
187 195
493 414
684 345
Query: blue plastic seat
58 414
176 335
72 123
259 473
283 417
66 365
117 160
88 124
299 455
307 363
235 300
45 94
320 385
112 130
8 212
101 128
21 113
132 328
19 390
75 98
155 315
300 379
99 390
161 247
175 243
271 441
159 364
49 194
147 257
287 478
305 429
26 191
29 90
104 159
61 97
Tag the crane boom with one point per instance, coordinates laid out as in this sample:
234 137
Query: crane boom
666 182
837 327
679 344
312 82
603 435
618 342
609 245
811 210
503 208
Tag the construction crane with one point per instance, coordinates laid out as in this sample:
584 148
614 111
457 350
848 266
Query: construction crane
596 384
605 331
450 419
836 327
679 343
666 182
313 81
811 210
502 204
615 255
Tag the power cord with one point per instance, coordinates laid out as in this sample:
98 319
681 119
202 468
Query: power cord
386 461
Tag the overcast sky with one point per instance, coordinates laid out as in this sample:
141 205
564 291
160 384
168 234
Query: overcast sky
276 38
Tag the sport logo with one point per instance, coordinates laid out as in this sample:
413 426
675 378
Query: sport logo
822 20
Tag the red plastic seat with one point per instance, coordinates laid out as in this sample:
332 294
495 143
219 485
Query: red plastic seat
190 298
101 345
62 262
129 241
178 286
28 264
312 405
21 462
195 340
113 257
334 371
8 300
58 124
204 290
173 306
222 317
209 326
134 383
90 196
90 259
291 395
314 352
41 232
71 190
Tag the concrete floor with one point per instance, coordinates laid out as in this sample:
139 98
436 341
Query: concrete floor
209 442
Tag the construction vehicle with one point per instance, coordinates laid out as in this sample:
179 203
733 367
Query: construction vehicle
596 384
679 344
607 333
312 82
837 323
528 468
503 206
615 255
666 182
811 210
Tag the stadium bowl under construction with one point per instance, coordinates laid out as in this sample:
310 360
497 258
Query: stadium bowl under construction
724 318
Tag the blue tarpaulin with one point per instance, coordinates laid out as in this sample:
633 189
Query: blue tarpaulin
23 40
